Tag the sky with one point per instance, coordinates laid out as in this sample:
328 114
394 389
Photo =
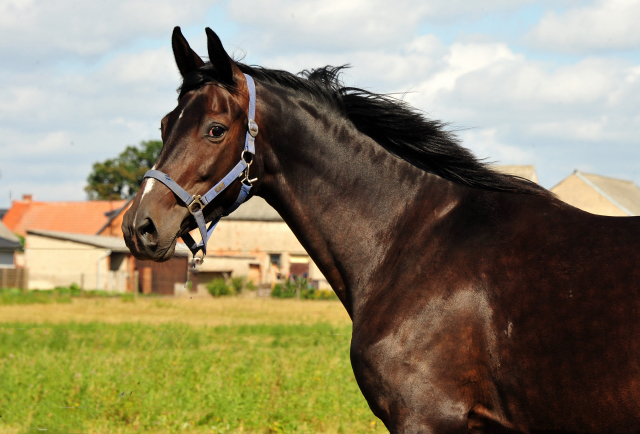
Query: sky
551 83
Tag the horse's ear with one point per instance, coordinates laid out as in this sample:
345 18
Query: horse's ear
186 58
219 58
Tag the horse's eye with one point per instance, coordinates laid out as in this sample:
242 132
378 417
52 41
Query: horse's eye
217 131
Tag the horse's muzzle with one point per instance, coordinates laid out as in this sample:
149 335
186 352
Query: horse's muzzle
141 237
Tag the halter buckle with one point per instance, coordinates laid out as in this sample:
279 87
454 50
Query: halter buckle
253 128
196 201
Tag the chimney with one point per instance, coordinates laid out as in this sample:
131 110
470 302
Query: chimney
27 198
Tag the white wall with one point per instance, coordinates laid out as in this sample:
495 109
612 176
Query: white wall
252 242
52 262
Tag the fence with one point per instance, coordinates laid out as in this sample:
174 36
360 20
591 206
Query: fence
13 278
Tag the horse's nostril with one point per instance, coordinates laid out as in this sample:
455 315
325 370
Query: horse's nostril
148 231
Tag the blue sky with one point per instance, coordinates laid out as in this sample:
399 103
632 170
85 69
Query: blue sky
555 84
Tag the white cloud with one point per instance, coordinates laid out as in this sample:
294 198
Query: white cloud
463 59
42 30
517 110
485 144
44 191
605 25
486 85
131 85
379 70
336 25
54 126
143 68
331 24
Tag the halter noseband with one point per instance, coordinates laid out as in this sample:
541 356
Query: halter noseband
196 203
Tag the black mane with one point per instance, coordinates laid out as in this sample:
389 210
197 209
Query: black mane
399 128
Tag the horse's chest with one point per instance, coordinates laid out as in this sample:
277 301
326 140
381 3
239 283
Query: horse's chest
434 363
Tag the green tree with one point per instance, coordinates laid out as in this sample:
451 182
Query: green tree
120 177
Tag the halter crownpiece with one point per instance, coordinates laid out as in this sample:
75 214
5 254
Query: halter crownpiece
196 203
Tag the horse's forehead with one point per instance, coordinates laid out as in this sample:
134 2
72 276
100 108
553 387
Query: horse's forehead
209 98
191 108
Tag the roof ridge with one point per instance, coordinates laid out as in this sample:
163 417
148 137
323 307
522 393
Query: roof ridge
605 177
605 194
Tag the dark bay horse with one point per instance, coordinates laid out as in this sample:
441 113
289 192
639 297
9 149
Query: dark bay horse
480 302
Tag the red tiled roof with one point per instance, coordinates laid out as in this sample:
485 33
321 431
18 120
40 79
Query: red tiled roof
74 217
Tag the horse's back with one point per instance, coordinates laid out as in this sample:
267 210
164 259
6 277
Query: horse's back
570 306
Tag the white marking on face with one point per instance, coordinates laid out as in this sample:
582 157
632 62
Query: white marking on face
181 113
148 185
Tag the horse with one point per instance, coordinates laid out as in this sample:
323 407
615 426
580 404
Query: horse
480 302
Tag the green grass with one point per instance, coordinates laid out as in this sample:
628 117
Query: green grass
18 296
126 378
58 295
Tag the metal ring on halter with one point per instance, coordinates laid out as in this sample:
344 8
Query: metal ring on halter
196 201
250 160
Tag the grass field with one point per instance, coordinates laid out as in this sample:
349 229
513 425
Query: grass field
179 365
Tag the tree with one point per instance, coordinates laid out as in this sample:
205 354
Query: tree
120 177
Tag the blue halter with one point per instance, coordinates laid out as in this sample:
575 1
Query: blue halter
196 203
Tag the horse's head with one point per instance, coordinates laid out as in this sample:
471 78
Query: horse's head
203 139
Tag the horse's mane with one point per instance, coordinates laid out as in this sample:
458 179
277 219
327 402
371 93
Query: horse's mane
399 128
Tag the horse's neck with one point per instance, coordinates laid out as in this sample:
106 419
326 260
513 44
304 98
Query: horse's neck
342 194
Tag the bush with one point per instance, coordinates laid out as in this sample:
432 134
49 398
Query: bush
73 290
319 294
237 283
282 291
218 288
307 291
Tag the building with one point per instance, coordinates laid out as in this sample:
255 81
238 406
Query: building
10 275
599 194
9 244
73 217
98 262
82 243
113 226
526 171
254 241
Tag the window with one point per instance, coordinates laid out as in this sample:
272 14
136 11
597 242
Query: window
274 259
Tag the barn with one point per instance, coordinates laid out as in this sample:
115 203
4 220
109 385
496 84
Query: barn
98 262
599 194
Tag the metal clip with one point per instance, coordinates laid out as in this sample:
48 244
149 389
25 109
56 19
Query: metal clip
249 162
196 201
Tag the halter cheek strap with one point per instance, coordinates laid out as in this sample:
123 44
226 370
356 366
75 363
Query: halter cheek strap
196 203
